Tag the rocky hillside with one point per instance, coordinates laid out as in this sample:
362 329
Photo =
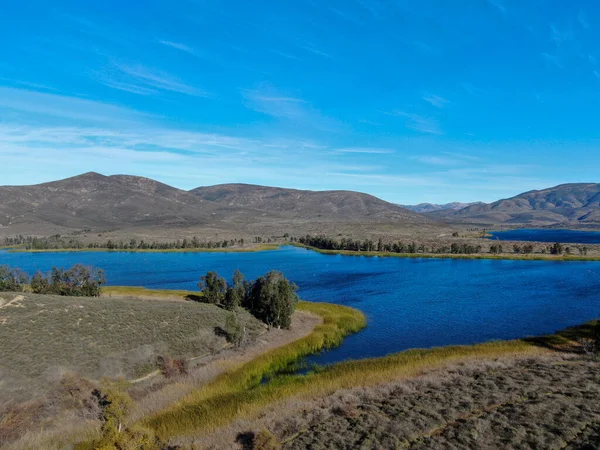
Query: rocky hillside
576 203
104 203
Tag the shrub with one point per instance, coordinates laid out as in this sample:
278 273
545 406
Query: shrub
12 280
171 368
265 440
116 404
234 330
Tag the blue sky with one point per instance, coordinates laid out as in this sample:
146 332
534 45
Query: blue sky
412 101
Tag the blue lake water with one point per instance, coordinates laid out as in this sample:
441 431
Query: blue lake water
548 235
409 302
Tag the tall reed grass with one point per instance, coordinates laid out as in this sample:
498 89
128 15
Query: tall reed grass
242 390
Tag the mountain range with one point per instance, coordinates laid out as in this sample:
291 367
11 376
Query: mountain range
569 204
431 207
96 202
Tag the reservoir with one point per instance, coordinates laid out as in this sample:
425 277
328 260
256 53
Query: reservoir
409 302
548 235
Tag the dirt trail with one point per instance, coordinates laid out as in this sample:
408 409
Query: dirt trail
302 324
15 300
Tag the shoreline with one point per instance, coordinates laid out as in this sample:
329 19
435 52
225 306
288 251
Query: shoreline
257 248
500 257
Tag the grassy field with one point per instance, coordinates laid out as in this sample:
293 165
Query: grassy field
502 256
44 335
253 248
144 293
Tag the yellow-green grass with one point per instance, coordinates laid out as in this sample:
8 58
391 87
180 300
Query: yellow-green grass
254 248
241 389
142 292
524 257
241 394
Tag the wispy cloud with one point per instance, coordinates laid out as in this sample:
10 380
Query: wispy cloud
417 122
179 46
312 48
582 19
435 100
497 4
285 54
560 36
553 60
142 80
271 101
473 90
365 150
32 103
436 160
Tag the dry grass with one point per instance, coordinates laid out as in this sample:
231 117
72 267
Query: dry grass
541 402
43 336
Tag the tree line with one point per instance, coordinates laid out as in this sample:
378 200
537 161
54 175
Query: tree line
56 242
367 245
79 280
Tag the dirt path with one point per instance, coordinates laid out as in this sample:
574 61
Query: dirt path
17 299
156 399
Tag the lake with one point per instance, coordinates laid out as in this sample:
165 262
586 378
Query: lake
409 302
548 235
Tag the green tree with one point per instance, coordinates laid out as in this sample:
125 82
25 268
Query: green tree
236 332
12 279
40 284
213 287
236 294
273 299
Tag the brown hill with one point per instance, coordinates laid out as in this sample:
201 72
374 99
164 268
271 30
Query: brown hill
121 202
576 203
290 203
96 201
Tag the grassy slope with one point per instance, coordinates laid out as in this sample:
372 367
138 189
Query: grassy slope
524 257
241 391
100 336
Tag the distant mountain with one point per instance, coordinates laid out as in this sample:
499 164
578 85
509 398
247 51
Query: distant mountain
97 202
576 203
332 205
431 207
